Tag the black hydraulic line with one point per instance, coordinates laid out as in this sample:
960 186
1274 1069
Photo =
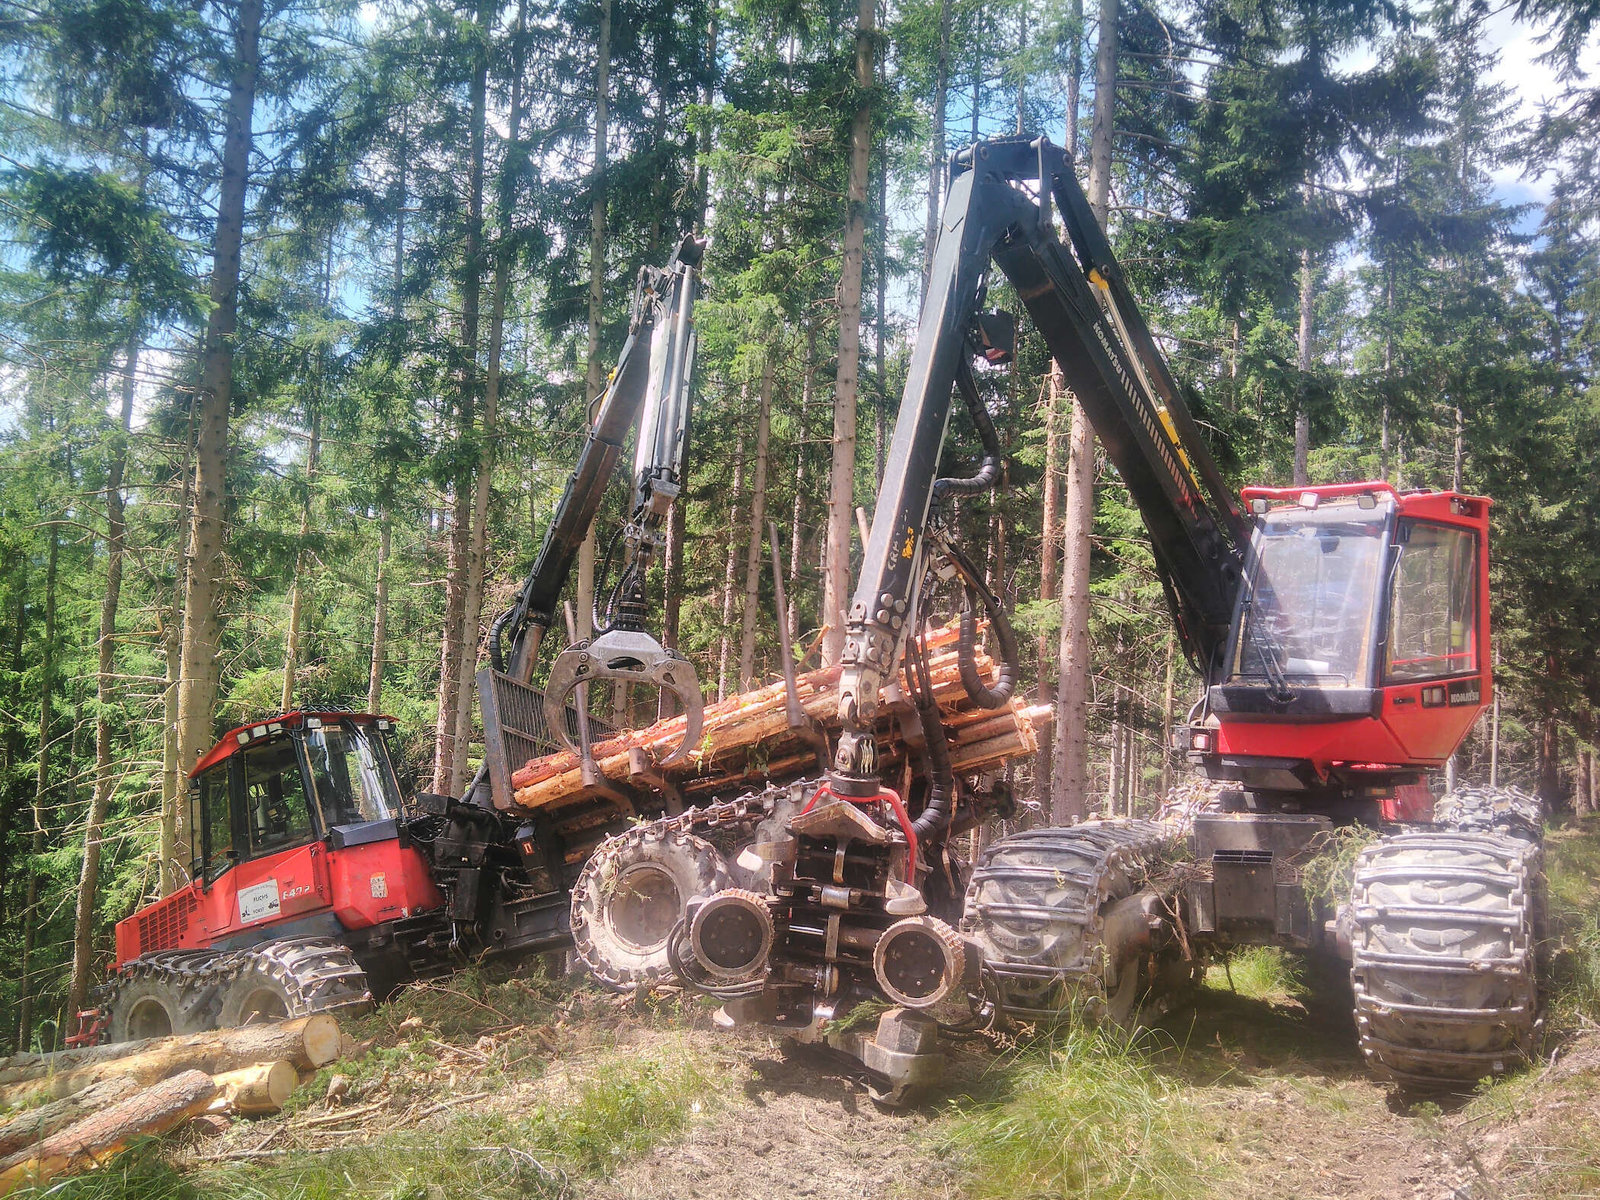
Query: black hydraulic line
936 814
1005 683
988 473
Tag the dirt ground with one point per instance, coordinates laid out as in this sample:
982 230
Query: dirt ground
1300 1120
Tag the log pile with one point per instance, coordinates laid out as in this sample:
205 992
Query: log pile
96 1100
748 739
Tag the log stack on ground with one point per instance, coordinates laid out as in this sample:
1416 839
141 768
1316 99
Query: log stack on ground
748 738
107 1095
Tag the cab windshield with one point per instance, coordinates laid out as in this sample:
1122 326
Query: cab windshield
1308 610
350 774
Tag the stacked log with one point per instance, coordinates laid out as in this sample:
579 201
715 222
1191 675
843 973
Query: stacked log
748 739
107 1095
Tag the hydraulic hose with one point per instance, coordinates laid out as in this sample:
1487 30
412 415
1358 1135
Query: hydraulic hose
1005 683
937 812
989 470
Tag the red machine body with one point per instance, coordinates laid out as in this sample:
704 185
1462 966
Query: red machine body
352 874
1359 652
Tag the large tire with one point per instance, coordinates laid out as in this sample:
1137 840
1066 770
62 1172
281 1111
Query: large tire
1037 905
632 893
1443 956
146 1007
162 995
282 980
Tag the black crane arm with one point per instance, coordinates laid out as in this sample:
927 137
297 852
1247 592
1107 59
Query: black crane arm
998 208
652 375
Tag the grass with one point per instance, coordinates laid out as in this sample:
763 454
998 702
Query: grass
1572 869
1087 1116
1258 973
534 1143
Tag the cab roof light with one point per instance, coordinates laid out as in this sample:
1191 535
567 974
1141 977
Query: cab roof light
244 737
1366 500
1308 499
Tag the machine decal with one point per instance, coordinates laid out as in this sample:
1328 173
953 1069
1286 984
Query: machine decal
1468 691
258 902
379 887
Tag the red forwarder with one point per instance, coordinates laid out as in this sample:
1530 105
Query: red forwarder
305 893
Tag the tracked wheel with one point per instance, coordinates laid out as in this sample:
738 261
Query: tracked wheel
1040 907
632 893
161 994
297 978
1443 963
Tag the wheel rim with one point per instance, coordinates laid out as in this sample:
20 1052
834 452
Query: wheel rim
263 1004
149 1018
645 907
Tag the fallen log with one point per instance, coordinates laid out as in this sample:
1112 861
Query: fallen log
87 1143
35 1123
307 1043
255 1090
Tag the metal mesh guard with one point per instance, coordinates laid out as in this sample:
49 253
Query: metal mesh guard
514 729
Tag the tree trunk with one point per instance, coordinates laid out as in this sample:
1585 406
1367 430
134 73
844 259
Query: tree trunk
1302 419
89 876
594 375
1168 721
808 377
257 1090
35 1124
306 1042
489 429
728 576
1069 783
94 1139
936 146
758 525
41 789
841 492
448 753
380 619
291 648
199 664
1049 551
1074 75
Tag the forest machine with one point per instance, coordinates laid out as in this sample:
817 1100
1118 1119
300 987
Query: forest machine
314 881
1341 634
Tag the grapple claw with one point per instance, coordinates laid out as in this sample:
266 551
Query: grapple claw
625 656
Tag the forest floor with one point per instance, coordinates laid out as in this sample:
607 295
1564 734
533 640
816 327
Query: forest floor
515 1085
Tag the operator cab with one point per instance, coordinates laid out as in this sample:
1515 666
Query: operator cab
283 783
1361 630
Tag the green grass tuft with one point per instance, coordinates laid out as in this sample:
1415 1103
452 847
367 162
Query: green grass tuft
1087 1117
1258 973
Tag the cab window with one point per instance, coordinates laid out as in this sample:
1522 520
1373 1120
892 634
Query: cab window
1433 604
217 821
277 816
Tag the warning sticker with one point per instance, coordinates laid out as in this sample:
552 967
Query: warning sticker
380 886
258 902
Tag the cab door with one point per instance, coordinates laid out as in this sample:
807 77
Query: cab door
283 870
1435 677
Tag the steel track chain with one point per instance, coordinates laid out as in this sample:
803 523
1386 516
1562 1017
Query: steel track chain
1443 938
1034 906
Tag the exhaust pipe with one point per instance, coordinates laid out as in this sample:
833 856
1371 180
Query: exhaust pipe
730 935
919 961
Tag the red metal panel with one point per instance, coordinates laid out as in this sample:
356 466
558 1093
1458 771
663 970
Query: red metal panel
380 881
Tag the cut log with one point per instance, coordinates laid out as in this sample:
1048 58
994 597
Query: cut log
35 1123
307 1043
89 1142
732 729
255 1090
